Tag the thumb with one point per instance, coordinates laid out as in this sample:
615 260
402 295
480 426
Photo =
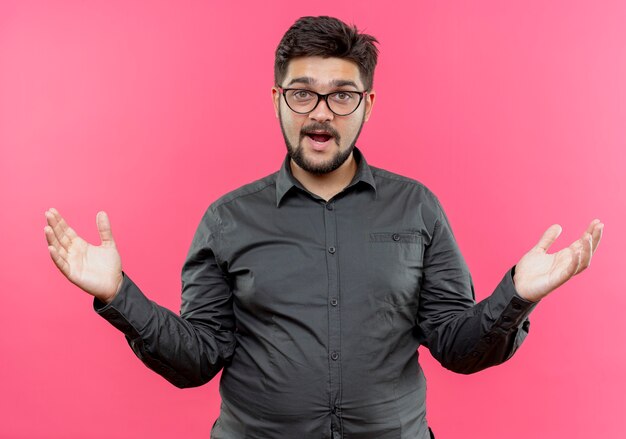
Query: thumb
104 227
549 236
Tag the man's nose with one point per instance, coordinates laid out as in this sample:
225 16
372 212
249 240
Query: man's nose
321 113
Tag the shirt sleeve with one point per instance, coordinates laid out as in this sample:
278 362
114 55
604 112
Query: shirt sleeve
190 349
462 335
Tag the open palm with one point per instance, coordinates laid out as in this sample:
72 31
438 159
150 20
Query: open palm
538 272
95 269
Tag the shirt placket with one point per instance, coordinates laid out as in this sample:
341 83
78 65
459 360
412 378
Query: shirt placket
334 321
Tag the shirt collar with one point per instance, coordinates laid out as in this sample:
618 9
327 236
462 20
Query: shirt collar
285 180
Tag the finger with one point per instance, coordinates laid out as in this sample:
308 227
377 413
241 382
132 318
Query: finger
104 227
53 216
59 261
595 231
54 242
596 236
64 233
62 224
575 253
585 253
58 230
592 225
549 236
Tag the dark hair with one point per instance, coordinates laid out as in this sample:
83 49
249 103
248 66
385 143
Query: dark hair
326 37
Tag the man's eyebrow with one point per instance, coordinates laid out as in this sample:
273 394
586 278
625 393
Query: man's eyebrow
302 80
343 83
334 83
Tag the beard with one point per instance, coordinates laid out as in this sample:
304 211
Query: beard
296 153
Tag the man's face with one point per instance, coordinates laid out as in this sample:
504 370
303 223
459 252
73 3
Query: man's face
320 142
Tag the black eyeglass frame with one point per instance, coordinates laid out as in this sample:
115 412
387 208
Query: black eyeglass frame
320 97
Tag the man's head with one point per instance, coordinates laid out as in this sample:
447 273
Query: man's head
322 55
327 37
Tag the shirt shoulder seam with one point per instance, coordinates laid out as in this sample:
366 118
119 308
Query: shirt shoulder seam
382 173
245 190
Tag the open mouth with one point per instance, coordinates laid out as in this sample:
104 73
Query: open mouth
320 137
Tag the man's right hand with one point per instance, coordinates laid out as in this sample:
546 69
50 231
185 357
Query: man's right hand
95 269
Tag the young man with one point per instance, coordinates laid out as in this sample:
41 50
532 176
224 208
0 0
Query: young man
313 288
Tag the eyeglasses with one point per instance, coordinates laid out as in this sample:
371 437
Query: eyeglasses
303 101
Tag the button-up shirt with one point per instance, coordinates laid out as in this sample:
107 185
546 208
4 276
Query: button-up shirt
314 309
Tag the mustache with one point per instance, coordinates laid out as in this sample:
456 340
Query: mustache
316 126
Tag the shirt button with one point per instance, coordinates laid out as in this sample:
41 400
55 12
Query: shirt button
334 356
329 206
334 301
506 319
395 237
332 250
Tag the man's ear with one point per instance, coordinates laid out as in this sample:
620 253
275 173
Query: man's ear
276 99
370 97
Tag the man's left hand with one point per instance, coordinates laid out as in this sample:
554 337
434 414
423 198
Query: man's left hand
538 273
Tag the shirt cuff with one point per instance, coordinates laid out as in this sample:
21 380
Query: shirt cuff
129 311
511 309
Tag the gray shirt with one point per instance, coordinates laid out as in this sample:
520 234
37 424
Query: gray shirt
314 310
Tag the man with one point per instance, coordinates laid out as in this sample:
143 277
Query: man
313 288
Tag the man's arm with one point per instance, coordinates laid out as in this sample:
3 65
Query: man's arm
467 337
187 350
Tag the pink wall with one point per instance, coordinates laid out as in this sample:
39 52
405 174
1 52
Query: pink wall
512 112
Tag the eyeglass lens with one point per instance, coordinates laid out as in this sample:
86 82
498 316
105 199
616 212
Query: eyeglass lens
340 102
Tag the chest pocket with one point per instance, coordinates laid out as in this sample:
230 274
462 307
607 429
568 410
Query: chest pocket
405 248
395 263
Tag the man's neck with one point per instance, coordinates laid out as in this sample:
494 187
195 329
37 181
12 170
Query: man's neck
327 185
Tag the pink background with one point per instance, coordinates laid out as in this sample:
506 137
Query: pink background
512 112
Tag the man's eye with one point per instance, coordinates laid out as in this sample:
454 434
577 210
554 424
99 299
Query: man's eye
342 96
302 94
